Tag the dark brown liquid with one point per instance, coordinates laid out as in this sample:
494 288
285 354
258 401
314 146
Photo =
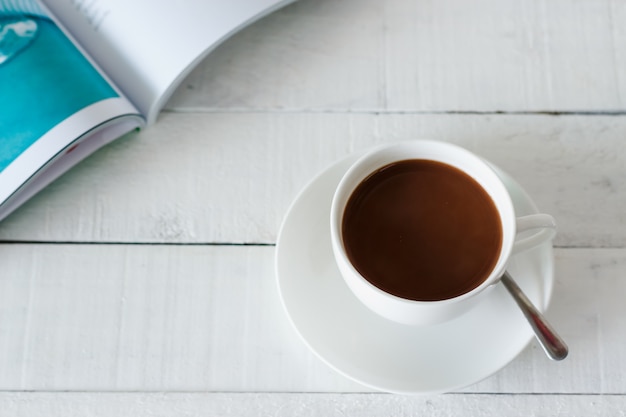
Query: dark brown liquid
422 230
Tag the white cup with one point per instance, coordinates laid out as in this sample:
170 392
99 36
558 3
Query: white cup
430 312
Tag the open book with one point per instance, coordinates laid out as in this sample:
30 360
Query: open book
76 74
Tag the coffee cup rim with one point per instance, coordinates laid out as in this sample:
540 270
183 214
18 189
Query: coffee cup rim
344 190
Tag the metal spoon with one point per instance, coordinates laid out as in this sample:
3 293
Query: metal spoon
550 341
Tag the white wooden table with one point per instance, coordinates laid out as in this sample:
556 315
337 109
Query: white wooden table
142 283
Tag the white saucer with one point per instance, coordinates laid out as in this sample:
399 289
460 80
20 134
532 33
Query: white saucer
382 354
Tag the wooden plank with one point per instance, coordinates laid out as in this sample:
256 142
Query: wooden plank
483 55
91 317
209 318
261 405
230 177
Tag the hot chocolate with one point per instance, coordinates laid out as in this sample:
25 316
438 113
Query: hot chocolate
422 230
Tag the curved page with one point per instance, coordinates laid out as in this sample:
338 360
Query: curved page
52 99
146 47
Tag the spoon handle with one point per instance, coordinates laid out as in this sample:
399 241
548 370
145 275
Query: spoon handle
550 341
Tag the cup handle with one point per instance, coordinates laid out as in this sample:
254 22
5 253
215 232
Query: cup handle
546 229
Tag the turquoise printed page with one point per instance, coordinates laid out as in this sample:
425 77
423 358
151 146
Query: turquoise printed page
44 79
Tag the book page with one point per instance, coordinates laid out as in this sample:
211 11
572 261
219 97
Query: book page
146 47
51 100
